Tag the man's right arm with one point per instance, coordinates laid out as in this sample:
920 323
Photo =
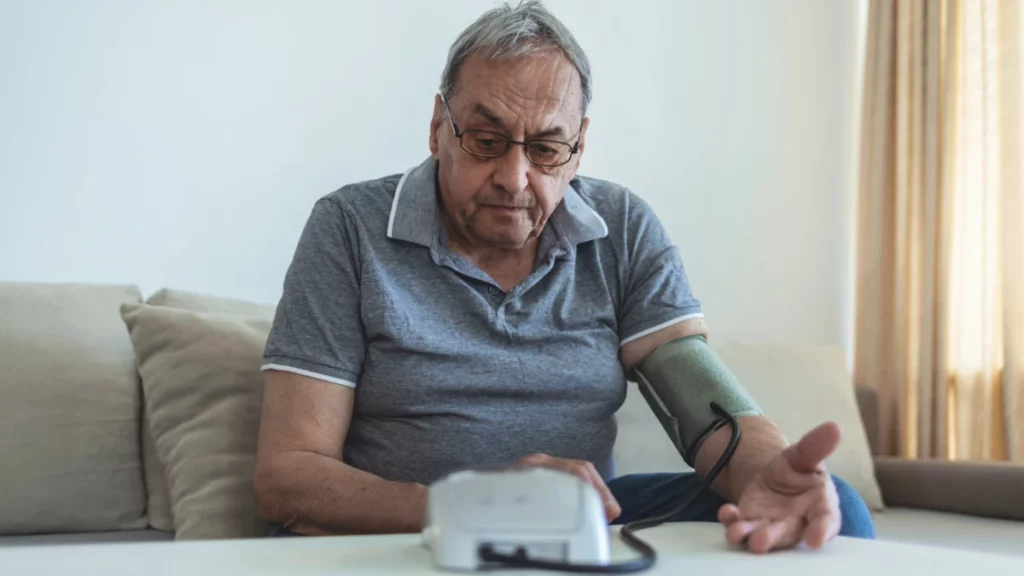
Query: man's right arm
301 482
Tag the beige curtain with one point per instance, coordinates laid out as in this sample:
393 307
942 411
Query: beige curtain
940 290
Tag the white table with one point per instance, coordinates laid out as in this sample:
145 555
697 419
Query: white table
685 549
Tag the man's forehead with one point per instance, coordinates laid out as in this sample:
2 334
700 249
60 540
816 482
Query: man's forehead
545 83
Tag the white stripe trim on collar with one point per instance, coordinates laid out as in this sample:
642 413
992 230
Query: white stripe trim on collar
604 224
394 203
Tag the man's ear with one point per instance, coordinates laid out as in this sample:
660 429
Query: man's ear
583 144
435 124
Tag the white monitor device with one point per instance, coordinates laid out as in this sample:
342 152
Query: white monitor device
544 514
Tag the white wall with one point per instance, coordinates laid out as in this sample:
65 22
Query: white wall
184 143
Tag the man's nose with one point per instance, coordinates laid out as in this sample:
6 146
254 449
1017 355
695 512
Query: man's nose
511 170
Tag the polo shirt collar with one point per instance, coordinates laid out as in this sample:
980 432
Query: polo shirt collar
414 210
415 213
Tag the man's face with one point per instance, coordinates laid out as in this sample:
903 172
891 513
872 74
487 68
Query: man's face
504 202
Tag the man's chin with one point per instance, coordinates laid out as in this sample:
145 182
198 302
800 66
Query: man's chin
505 240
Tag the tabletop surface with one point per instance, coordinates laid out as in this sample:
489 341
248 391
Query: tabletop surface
682 548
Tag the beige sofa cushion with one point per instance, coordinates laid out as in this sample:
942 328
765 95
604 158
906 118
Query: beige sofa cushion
798 387
69 414
159 504
203 388
949 530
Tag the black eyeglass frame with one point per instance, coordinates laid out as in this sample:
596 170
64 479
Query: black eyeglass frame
573 148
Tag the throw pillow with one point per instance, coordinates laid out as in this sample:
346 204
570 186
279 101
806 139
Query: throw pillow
203 389
799 387
159 503
198 302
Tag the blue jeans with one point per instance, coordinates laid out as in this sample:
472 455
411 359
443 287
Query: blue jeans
646 495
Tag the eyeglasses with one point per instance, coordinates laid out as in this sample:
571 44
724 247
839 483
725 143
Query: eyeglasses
539 151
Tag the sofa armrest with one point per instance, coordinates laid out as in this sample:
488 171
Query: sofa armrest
867 404
989 489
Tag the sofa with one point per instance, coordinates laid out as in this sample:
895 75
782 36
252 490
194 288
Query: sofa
131 419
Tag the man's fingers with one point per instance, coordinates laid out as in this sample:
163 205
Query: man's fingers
728 514
820 531
772 535
611 505
823 524
583 470
817 445
535 460
573 467
738 531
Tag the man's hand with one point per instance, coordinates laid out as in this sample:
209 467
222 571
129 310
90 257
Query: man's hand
793 499
584 471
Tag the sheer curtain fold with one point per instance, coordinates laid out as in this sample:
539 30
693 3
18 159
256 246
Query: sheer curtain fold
940 266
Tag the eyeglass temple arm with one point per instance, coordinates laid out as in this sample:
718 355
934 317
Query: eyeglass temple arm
455 129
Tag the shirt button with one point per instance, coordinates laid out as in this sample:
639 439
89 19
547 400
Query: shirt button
494 291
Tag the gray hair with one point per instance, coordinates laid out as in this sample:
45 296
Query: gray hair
511 32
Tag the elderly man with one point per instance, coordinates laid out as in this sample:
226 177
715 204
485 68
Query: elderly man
485 309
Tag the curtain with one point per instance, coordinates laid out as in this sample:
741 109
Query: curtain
940 249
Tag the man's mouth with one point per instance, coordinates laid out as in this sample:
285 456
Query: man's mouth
505 208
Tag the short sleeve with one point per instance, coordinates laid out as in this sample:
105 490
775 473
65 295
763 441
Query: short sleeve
317 329
657 291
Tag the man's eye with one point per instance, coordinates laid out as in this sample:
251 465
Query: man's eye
486 142
543 152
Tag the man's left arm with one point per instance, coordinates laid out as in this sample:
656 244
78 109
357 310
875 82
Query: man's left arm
763 441
781 492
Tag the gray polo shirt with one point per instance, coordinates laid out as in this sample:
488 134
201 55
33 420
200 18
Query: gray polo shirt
450 371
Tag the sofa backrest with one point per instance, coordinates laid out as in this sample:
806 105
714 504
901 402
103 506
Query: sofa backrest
69 411
73 436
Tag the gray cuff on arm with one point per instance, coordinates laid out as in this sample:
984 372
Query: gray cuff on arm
680 380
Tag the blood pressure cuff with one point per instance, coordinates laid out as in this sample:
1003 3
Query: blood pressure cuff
679 380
